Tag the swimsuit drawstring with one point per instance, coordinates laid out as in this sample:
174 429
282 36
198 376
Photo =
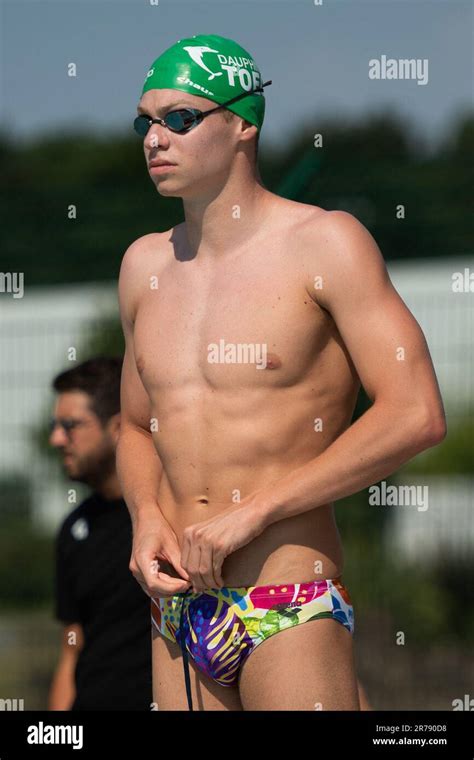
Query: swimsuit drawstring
184 652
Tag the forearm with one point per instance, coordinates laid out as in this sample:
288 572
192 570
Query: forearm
139 471
63 691
376 445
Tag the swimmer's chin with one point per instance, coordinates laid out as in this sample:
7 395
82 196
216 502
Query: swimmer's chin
163 191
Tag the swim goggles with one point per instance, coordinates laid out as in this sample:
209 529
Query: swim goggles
184 119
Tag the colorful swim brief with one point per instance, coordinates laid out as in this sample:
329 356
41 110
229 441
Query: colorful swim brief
220 627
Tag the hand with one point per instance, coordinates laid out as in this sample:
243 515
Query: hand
155 546
207 544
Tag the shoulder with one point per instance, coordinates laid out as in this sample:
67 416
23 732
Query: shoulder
334 226
143 251
309 223
139 252
339 239
144 258
341 251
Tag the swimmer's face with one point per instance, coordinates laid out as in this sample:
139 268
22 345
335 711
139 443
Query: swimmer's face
88 449
202 157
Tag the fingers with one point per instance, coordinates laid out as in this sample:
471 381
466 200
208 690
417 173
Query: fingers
203 564
193 562
175 559
164 585
210 567
198 564
168 586
156 583
217 564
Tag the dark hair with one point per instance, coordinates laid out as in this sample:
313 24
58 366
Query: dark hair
99 377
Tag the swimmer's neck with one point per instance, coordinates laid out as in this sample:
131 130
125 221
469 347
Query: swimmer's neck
227 217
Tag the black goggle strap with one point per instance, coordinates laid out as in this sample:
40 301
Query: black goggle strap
237 97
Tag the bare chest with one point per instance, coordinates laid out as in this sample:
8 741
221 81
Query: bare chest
244 320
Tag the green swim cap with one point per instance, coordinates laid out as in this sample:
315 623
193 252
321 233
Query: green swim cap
213 67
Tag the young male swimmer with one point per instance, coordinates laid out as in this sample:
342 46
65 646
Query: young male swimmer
230 470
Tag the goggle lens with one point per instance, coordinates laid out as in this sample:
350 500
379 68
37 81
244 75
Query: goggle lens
141 125
178 121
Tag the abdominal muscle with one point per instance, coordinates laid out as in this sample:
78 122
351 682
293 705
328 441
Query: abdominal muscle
302 548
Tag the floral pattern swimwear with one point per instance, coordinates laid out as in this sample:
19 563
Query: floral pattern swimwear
220 627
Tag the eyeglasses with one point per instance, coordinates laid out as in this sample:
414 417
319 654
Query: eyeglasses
184 119
67 424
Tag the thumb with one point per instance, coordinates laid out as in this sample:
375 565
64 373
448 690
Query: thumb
174 555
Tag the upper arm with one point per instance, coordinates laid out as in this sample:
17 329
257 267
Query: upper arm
384 340
134 400
72 640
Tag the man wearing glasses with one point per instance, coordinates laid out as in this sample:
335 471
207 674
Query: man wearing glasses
105 657
249 328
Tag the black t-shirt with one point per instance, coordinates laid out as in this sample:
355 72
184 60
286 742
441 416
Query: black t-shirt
94 587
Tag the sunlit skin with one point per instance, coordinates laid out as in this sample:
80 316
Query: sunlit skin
242 267
207 156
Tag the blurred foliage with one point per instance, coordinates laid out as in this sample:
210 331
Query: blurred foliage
26 553
453 456
366 167
430 604
15 490
26 565
106 339
424 601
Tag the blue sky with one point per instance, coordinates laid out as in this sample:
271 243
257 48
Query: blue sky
317 57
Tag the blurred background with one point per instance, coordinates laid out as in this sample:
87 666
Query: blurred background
68 140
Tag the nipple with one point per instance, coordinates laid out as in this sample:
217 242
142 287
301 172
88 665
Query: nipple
273 361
